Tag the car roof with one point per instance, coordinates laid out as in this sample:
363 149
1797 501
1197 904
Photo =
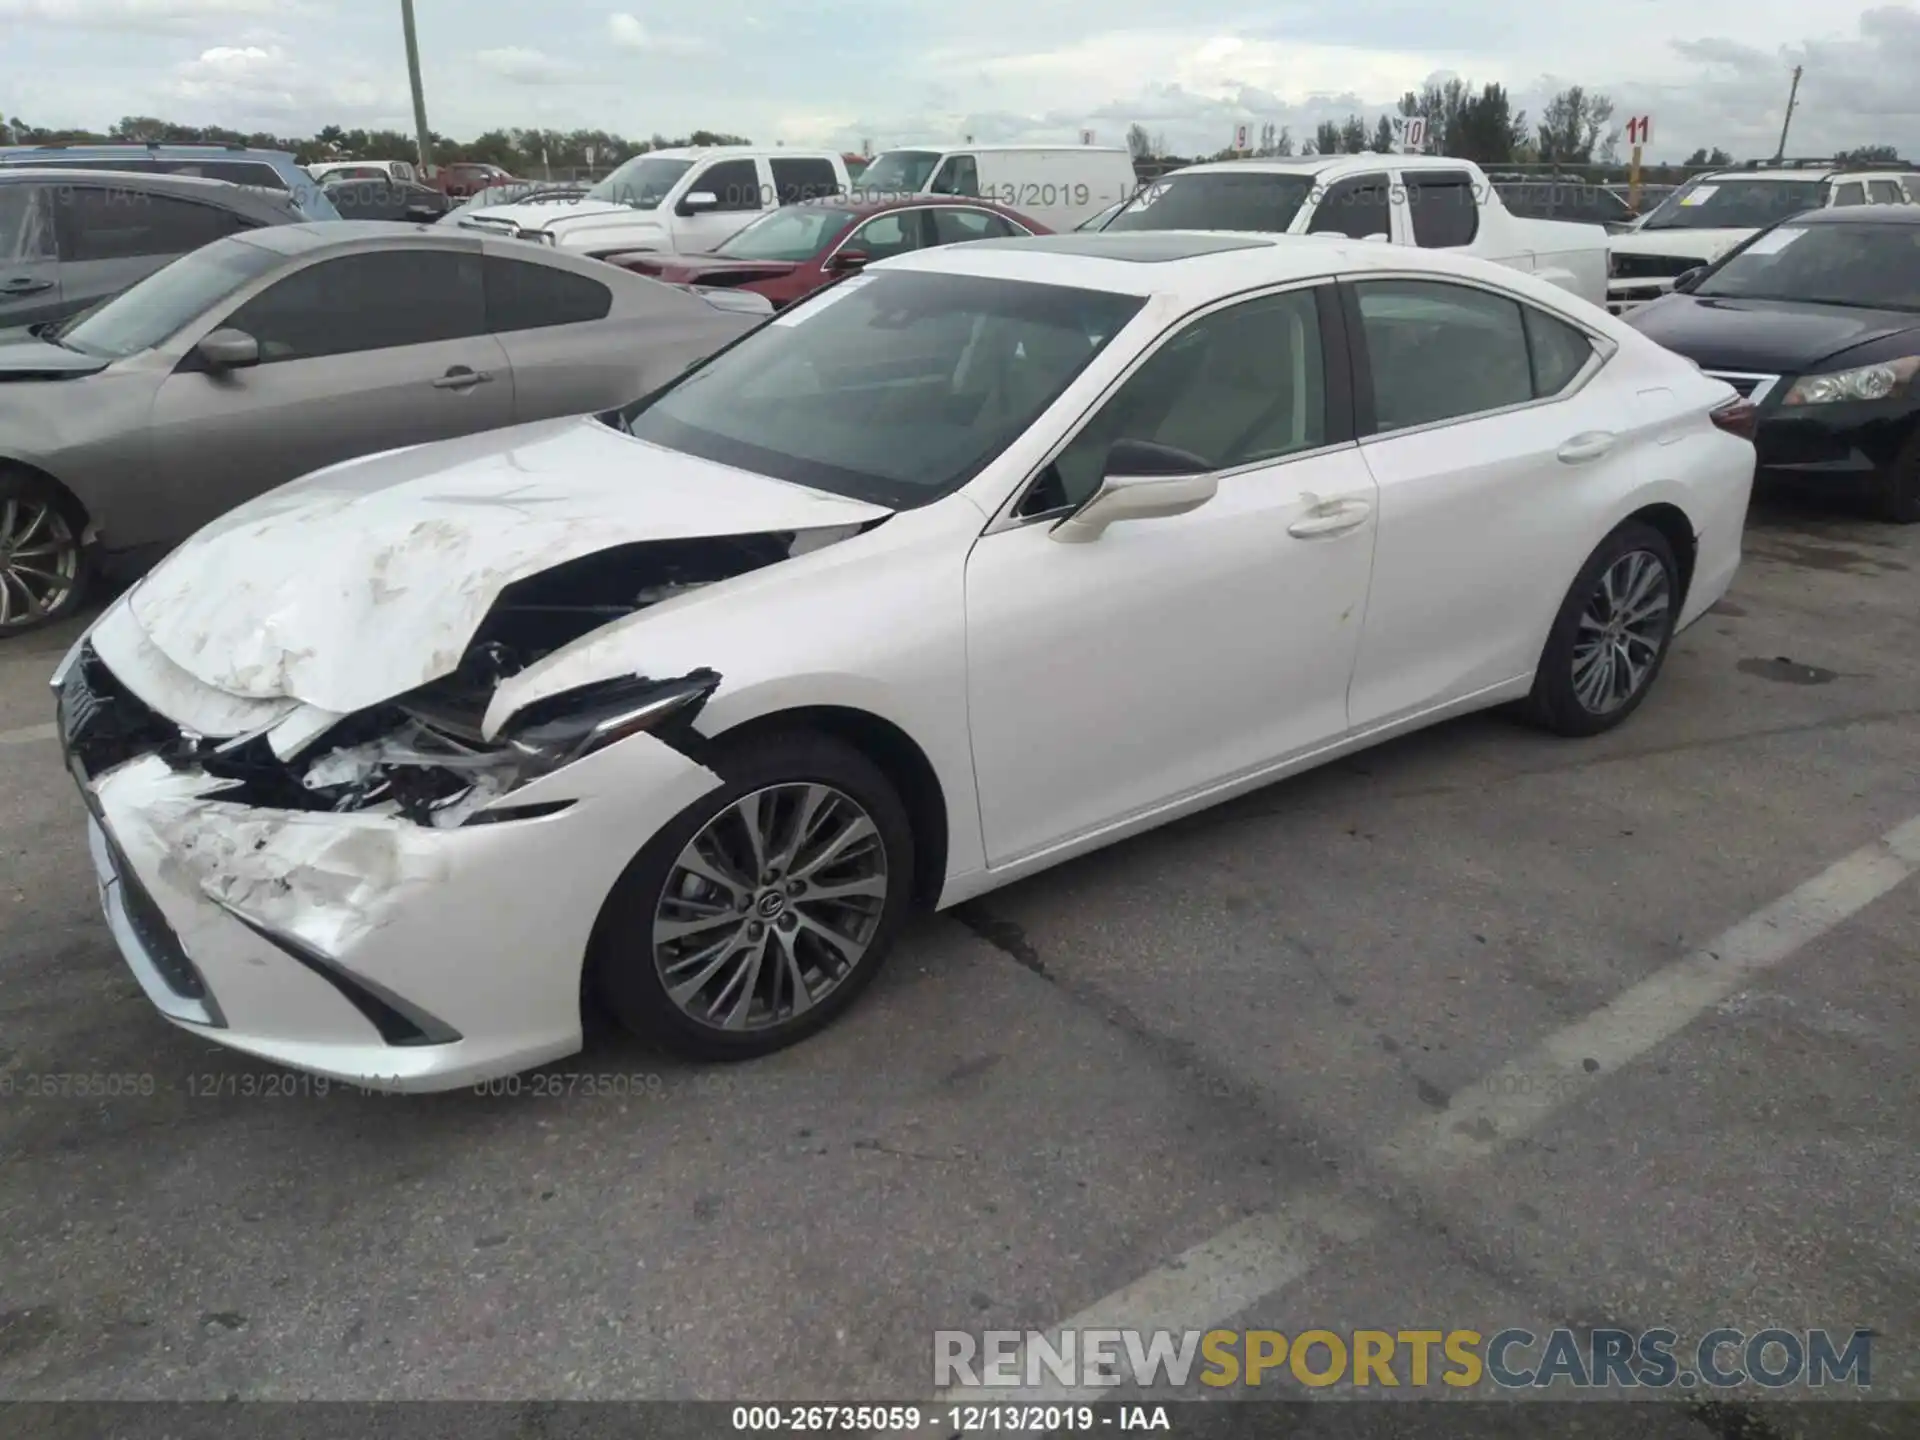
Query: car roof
943 148
865 208
744 152
1859 215
225 192
109 150
1194 266
311 235
1323 165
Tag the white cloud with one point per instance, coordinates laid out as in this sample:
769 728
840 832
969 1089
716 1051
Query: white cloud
247 86
523 66
629 33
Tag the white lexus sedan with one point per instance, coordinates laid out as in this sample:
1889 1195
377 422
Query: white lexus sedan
976 561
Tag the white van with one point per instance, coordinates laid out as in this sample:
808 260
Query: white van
398 171
686 200
1058 185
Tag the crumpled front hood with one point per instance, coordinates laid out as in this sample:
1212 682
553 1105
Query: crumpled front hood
1694 244
538 214
366 580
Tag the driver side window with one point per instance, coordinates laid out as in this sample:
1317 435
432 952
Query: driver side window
959 176
885 236
1236 387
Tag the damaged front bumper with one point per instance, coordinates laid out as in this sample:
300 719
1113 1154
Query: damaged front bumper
368 947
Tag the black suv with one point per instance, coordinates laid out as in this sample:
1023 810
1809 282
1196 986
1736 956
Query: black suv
70 239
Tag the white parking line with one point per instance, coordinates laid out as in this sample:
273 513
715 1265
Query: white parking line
1220 1277
27 734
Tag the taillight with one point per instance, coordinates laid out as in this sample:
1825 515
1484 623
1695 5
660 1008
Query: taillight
1737 417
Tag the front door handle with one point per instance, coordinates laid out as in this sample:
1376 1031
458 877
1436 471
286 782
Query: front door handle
24 285
1588 445
461 378
1330 517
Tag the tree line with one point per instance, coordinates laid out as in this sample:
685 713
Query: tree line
522 152
1575 132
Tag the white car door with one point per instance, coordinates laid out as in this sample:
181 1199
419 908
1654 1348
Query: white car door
1173 654
1495 439
742 192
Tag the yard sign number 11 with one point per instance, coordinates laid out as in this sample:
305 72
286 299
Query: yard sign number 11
1639 132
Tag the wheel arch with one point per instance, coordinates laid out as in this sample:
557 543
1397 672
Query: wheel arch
77 512
1677 529
900 758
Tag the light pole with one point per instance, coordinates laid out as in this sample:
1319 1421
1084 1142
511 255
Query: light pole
422 136
1792 96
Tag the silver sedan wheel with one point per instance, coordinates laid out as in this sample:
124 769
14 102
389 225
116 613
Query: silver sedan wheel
770 907
1622 630
39 561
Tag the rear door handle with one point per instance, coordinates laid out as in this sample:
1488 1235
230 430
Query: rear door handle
1330 517
25 286
461 378
1588 445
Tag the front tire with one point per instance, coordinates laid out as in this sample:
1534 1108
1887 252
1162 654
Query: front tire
44 566
761 911
1611 636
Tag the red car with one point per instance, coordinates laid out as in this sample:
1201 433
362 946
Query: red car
798 248
464 177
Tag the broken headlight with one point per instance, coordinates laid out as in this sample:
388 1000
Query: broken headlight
441 774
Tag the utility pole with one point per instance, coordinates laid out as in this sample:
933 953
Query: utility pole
1792 95
422 136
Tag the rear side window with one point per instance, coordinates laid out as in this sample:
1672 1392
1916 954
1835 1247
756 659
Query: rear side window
1356 207
735 183
1884 192
25 233
1437 351
110 223
797 180
1444 210
1559 352
1851 193
959 176
240 172
525 295
951 225
367 302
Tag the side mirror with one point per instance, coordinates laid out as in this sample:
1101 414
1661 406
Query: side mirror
850 260
423 214
1690 278
228 350
1144 481
699 200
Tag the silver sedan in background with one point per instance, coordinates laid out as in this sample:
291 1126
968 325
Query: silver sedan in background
265 356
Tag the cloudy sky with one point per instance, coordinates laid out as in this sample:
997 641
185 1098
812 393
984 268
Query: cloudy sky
1709 72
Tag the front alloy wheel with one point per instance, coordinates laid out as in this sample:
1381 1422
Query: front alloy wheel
770 907
40 559
758 913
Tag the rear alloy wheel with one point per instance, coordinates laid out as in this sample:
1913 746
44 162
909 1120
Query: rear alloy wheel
43 567
1611 635
762 910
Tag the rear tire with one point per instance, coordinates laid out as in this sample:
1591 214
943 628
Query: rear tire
1611 636
1897 491
694 954
45 569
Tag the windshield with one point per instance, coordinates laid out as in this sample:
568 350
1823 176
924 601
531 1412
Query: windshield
643 182
1736 204
903 172
797 232
1874 267
889 387
1217 200
176 295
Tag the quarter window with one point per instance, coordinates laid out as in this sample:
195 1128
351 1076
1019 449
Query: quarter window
1884 192
522 295
1558 351
1239 386
1440 352
735 183
24 231
367 302
952 225
1355 207
796 180
114 223
959 176
1444 210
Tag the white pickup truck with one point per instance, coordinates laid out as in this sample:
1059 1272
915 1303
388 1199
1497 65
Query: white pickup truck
1426 200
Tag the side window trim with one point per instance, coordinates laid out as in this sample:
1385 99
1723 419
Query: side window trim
1364 415
1335 356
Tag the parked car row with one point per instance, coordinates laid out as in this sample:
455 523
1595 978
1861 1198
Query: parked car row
389 767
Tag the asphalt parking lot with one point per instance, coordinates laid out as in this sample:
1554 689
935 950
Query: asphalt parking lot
1351 1051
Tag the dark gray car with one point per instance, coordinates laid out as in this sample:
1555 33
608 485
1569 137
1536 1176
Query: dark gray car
72 238
265 356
